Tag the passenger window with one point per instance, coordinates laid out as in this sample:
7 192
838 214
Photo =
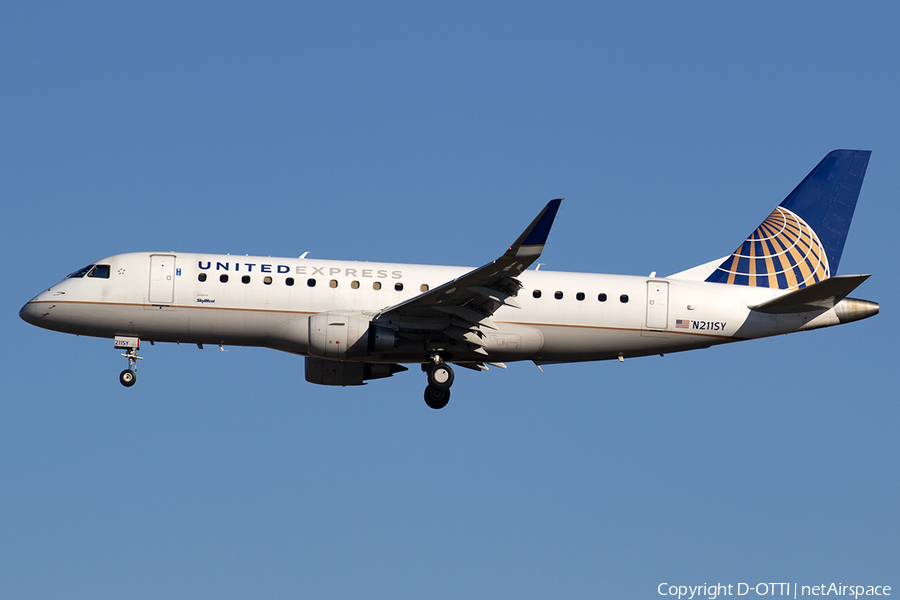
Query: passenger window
424 287
579 296
245 279
536 293
623 298
601 297
332 283
354 285
267 280
100 272
223 278
558 295
311 282
201 277
289 281
376 285
398 287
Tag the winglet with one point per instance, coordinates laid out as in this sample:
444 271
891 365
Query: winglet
531 242
476 295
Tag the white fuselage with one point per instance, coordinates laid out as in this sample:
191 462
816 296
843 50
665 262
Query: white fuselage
264 301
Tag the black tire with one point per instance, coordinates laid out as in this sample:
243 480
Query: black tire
440 376
127 377
436 398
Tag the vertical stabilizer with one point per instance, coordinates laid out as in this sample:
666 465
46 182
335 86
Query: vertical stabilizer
801 242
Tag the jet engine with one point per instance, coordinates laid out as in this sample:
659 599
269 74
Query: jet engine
345 372
340 336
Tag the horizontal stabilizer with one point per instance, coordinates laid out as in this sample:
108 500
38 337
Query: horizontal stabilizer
824 294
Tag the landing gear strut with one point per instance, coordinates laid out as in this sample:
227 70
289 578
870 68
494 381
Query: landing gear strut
131 345
440 378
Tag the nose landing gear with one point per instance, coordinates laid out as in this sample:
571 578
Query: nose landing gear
131 345
440 378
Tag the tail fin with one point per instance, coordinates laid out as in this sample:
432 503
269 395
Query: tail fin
801 242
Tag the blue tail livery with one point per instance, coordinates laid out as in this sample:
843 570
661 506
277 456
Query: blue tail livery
801 242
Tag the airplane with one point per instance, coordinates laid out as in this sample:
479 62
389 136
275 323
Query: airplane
359 321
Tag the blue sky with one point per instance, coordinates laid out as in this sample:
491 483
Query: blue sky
420 133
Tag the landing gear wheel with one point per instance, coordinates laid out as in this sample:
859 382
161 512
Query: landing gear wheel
436 398
127 377
440 376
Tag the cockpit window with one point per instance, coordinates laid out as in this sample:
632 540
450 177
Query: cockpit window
99 271
80 272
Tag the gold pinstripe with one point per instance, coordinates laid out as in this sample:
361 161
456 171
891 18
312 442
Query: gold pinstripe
298 312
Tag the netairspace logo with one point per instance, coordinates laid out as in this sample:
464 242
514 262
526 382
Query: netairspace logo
794 590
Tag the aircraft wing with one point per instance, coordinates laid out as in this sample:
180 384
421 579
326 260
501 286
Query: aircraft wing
459 309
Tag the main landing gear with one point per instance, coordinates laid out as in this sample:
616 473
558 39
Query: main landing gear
131 345
440 378
128 377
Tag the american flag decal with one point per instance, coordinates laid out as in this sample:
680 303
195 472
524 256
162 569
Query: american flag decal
682 324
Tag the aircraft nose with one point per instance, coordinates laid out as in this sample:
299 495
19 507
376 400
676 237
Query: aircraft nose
36 310
29 313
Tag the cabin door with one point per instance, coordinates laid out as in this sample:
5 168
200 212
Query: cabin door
162 279
657 304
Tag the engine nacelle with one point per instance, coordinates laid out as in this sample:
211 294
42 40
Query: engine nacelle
336 336
343 372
